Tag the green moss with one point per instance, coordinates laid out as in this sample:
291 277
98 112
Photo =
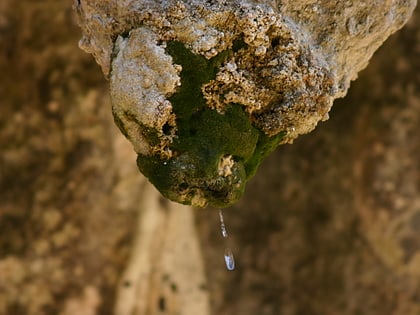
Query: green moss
204 138
265 146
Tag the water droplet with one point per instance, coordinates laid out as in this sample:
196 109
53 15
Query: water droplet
222 224
229 260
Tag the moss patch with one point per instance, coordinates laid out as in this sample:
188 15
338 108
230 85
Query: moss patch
204 137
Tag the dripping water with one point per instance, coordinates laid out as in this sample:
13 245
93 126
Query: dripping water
229 260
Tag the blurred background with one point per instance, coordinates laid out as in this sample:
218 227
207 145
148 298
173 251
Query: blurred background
330 225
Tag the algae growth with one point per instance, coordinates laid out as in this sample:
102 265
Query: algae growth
215 153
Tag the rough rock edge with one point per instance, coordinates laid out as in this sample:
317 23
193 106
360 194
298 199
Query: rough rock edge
144 76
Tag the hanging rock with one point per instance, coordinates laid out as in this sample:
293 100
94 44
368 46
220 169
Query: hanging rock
204 90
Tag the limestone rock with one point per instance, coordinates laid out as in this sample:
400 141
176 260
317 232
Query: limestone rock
197 83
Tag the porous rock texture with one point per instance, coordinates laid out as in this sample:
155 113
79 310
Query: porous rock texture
178 69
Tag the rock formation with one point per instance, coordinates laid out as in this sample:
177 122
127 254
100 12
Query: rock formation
204 90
